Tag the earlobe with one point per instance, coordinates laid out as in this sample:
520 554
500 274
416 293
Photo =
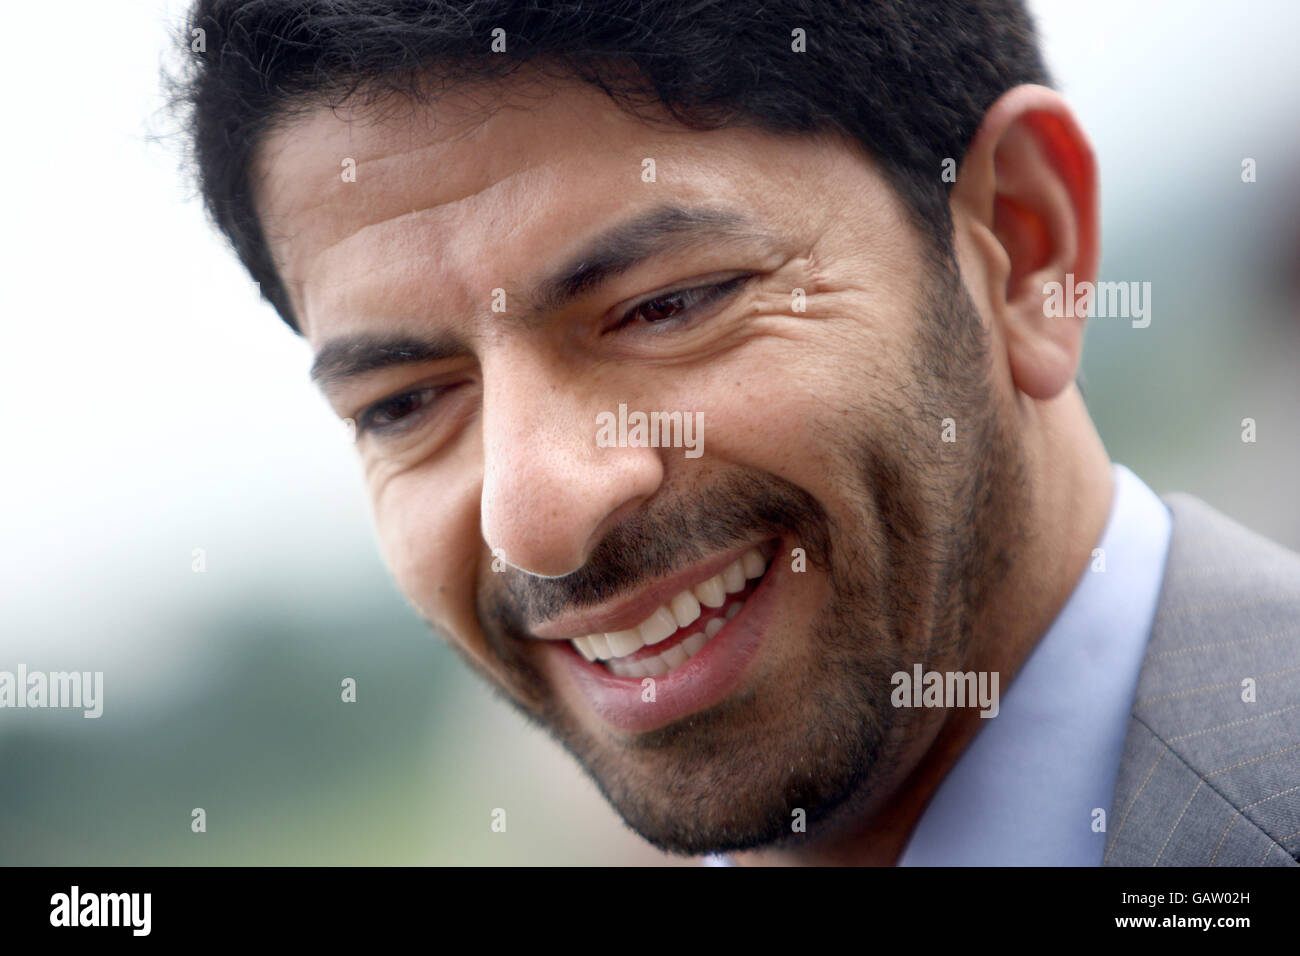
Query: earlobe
1028 182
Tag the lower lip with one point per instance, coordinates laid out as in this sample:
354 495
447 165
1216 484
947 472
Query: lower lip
704 680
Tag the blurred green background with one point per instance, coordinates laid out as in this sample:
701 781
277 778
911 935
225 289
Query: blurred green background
157 406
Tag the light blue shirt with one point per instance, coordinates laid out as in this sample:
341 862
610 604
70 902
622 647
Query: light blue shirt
1026 790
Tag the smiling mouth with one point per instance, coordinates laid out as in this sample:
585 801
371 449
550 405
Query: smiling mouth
679 629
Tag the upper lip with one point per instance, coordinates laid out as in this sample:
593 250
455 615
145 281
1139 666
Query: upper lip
628 612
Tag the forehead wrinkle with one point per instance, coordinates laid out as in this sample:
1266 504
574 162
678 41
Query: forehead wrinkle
405 242
299 193
326 193
443 209
331 211
342 133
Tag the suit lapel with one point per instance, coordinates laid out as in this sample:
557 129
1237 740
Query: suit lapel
1206 776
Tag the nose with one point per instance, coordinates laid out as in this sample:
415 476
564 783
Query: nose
549 492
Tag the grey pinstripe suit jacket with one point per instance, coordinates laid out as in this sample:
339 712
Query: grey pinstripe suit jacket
1208 779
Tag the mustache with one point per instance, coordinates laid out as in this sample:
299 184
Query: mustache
663 539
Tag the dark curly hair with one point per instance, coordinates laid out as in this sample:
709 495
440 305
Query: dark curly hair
909 80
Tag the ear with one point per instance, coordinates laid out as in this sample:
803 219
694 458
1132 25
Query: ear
1027 189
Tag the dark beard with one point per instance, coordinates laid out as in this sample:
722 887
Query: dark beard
930 531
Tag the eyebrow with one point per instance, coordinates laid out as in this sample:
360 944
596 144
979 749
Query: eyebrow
356 355
655 232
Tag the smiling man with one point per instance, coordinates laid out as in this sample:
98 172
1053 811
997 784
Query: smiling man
822 236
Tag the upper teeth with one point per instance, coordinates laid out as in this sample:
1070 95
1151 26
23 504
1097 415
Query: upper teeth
683 610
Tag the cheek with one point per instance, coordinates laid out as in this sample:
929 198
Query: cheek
428 531
777 423
770 405
813 377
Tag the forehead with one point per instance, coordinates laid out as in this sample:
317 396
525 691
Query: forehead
376 213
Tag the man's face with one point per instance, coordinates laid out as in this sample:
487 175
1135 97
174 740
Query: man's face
820 535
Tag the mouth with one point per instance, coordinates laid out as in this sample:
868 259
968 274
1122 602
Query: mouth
680 647
681 627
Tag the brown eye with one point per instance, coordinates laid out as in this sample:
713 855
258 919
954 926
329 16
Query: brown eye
392 414
664 307
397 408
674 307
